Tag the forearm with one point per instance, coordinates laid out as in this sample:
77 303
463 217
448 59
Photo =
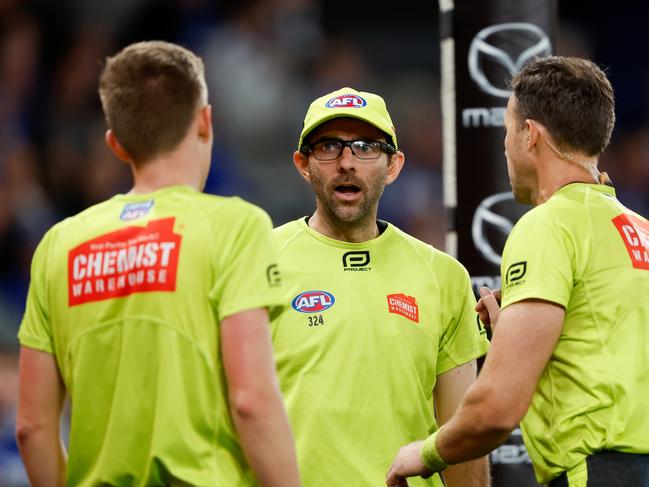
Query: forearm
495 404
450 391
461 443
468 474
479 426
267 441
255 399
38 419
43 455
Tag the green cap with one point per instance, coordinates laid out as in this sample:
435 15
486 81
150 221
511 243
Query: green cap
347 102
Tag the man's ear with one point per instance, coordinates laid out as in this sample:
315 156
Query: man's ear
115 147
532 133
394 166
205 122
301 162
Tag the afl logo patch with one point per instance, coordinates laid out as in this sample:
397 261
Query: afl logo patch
133 211
346 101
313 301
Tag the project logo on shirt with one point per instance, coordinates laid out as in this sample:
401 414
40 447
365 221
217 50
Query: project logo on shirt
635 235
515 273
273 275
403 305
356 260
313 301
126 261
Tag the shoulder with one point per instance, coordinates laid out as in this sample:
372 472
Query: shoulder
561 211
436 259
287 233
232 211
230 204
288 229
72 225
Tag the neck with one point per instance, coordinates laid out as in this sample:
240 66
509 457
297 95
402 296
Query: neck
355 232
559 173
177 168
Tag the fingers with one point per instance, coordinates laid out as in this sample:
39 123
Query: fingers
394 480
391 479
491 303
488 306
485 291
481 307
483 313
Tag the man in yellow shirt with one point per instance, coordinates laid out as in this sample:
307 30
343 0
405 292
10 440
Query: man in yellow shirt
569 354
381 338
151 309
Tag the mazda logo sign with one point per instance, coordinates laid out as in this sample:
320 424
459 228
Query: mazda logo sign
500 51
493 219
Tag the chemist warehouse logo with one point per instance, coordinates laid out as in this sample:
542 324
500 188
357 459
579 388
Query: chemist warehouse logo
635 235
126 261
404 305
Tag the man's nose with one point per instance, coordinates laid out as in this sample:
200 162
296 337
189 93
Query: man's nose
347 159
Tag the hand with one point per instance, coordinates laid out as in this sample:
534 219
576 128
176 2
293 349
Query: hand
488 306
407 463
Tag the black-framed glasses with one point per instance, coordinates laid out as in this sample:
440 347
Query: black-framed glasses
364 150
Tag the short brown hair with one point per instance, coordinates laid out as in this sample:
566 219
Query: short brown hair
150 92
571 97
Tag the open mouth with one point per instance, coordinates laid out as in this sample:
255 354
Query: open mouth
348 189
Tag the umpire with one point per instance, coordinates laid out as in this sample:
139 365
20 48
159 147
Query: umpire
570 352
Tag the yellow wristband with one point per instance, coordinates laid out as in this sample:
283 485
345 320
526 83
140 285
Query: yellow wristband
430 455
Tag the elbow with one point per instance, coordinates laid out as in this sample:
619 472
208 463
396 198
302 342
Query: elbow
500 425
25 431
501 418
497 416
248 404
34 428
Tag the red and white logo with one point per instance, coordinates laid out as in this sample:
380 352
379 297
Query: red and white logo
346 101
635 235
126 261
403 305
313 301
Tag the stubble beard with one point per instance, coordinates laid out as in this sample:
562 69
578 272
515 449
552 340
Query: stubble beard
350 215
521 192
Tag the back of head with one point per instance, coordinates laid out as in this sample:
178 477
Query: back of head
150 92
571 97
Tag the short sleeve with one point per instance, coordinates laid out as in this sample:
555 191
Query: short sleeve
35 330
250 276
538 261
463 337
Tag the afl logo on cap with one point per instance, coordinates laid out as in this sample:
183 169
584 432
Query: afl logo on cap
346 101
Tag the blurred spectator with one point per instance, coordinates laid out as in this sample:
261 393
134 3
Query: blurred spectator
72 111
628 164
18 70
415 201
255 71
12 473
